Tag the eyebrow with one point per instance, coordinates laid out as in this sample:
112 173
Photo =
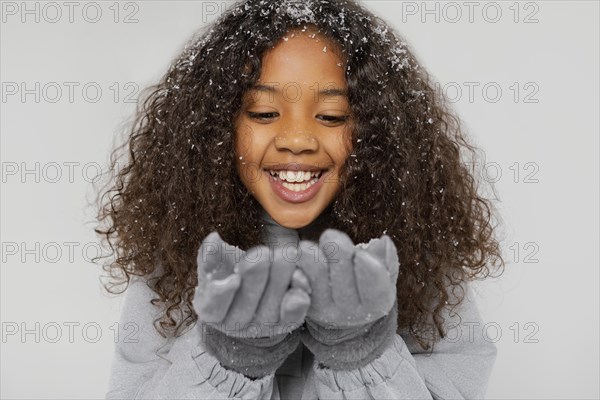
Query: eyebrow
325 92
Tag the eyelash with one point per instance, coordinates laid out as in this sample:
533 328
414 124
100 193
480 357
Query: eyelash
260 116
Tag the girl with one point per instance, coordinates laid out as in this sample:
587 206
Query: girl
295 220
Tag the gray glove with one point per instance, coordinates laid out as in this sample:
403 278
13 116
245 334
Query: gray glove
249 304
353 312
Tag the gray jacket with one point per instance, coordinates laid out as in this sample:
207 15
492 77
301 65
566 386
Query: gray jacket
148 366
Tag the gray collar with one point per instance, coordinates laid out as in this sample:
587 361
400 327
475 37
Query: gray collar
276 234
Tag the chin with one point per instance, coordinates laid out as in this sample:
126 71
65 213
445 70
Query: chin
293 221
293 225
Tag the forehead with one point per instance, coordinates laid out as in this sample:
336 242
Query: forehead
303 61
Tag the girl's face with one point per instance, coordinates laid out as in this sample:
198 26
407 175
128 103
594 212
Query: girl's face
293 134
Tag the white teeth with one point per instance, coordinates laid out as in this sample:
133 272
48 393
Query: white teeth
294 176
299 187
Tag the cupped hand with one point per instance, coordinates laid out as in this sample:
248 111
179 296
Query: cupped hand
352 285
255 294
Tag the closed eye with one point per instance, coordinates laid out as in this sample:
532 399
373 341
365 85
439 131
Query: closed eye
266 117
261 116
331 118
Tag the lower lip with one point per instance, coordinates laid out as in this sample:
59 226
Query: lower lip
290 195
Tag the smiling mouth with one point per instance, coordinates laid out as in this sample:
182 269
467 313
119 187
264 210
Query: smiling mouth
297 181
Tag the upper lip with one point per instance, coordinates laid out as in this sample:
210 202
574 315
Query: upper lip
294 167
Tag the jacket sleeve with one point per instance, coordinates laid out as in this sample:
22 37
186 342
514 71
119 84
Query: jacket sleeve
147 366
458 368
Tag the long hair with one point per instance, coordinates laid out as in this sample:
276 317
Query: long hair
405 176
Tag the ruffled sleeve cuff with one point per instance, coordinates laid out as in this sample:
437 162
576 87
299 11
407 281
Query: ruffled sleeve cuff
379 372
229 382
198 374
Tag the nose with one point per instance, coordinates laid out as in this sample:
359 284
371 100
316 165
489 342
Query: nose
296 141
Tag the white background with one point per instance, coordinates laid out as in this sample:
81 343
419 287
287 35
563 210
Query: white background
544 314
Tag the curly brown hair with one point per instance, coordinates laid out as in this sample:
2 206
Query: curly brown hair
405 176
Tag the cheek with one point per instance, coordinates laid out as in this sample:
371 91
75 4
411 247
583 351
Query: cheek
243 142
241 147
341 152
249 151
343 147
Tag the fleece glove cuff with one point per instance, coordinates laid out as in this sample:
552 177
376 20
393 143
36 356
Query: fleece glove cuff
254 358
350 348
